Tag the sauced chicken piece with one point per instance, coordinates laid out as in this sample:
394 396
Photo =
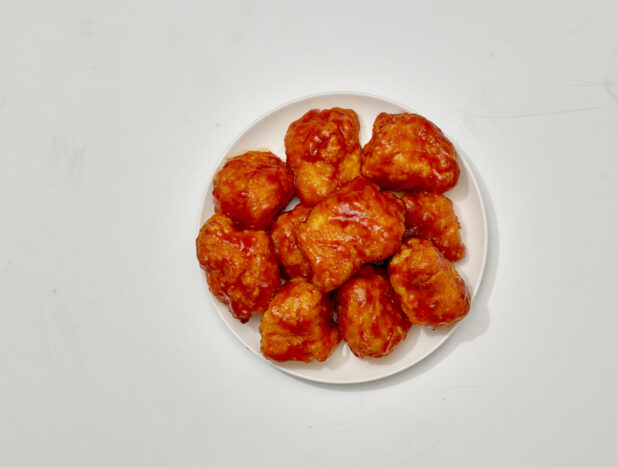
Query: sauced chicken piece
408 152
283 235
240 265
429 288
369 316
298 324
323 151
354 226
431 216
252 188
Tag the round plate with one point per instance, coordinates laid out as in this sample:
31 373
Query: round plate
268 133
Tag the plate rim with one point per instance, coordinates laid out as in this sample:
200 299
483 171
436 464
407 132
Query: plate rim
474 184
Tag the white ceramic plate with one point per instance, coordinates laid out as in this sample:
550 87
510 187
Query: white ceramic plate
343 367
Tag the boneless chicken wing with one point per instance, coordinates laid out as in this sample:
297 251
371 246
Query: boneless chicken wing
252 188
408 152
369 316
241 266
429 288
353 226
283 235
298 324
323 151
431 216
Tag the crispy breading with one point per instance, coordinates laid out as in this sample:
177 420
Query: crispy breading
369 316
323 151
298 324
353 226
241 266
283 236
252 188
430 290
408 152
431 216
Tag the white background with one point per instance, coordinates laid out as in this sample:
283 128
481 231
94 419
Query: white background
112 116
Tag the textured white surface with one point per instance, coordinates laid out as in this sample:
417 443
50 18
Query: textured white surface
112 116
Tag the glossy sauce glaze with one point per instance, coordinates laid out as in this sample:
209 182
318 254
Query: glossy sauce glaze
240 265
354 226
298 324
283 235
408 152
323 151
430 290
431 216
369 316
252 188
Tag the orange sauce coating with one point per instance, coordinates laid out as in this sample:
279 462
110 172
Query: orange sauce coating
323 151
430 290
431 216
240 265
408 152
353 226
252 188
369 316
298 324
283 235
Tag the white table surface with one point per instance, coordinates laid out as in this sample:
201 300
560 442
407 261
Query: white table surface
112 116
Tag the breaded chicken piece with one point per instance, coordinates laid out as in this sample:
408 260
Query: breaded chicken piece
408 152
240 265
428 286
354 226
323 151
431 216
283 236
298 324
369 316
252 188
